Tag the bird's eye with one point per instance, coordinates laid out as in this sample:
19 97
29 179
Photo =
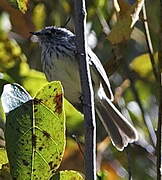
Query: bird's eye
53 31
48 33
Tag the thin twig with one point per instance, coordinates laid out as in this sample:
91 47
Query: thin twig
105 26
79 144
149 42
159 135
159 129
87 90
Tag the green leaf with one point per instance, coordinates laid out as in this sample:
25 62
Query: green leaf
102 175
3 157
35 135
39 16
67 175
74 119
22 5
33 80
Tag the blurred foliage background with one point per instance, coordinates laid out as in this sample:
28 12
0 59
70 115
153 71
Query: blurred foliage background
125 55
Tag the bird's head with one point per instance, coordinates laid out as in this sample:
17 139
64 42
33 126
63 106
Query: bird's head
52 34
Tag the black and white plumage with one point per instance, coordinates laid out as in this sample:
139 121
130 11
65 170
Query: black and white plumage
59 63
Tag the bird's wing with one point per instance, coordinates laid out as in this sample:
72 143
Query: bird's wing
96 64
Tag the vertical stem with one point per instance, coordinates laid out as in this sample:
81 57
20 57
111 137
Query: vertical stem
159 130
158 77
87 90
149 42
159 137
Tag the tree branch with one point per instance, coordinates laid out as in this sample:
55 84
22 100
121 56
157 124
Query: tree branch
159 129
87 90
148 41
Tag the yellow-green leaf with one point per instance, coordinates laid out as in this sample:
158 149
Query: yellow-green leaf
142 65
67 175
3 157
35 133
22 4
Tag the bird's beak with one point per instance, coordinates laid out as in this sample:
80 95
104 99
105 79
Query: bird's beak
35 36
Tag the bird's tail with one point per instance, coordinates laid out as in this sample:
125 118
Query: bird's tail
119 129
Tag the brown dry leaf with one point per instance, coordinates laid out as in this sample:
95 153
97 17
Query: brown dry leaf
21 23
73 158
112 174
125 8
103 144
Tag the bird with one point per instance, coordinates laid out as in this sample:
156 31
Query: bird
59 63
